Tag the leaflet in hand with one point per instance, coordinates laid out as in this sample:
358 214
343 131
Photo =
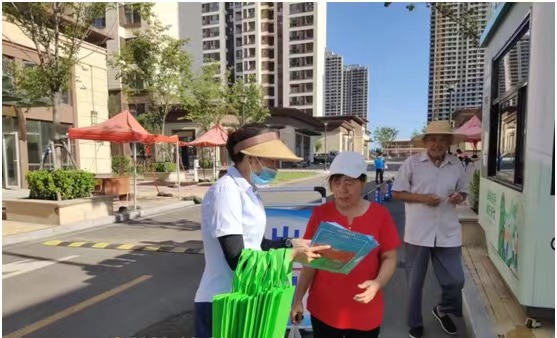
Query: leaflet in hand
348 248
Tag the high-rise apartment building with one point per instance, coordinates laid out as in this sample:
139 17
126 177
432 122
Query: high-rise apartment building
355 100
334 80
456 64
281 45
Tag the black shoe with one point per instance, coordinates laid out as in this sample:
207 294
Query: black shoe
416 332
446 322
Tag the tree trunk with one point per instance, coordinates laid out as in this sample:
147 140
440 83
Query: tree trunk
57 151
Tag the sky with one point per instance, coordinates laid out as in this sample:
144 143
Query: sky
394 44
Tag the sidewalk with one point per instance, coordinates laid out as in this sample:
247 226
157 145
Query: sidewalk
494 299
148 202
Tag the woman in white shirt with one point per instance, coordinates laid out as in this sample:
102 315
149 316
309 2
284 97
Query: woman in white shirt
233 216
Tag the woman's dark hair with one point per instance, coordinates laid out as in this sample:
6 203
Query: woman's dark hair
332 178
244 132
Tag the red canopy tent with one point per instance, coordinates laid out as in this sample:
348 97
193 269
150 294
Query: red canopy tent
214 137
123 128
472 129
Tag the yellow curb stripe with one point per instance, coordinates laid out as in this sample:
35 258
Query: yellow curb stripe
76 308
178 250
100 245
76 244
151 248
52 243
125 247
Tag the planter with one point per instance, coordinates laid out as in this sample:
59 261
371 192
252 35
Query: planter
115 186
166 177
58 212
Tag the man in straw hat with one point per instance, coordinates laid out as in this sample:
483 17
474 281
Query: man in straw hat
431 184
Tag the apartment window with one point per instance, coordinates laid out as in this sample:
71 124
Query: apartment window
268 14
211 32
508 111
99 23
39 134
239 67
210 19
306 34
301 48
301 75
301 62
268 66
268 52
132 15
301 21
211 57
268 40
65 95
210 7
7 61
208 45
137 108
238 42
301 8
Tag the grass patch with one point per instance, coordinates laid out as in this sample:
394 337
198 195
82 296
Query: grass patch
284 176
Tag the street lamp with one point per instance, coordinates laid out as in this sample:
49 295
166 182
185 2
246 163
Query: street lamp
451 87
326 153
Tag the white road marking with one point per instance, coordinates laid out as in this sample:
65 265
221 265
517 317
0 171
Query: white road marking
27 265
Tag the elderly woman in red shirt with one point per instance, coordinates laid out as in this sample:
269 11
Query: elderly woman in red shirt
349 306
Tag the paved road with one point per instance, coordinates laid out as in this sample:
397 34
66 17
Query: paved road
53 291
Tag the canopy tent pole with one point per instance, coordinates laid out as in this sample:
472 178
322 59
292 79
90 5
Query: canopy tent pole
178 166
134 176
215 164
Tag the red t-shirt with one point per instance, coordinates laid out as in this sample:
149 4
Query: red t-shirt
331 295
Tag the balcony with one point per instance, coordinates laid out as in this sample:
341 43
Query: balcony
130 16
210 20
304 7
301 62
268 40
210 7
302 48
268 66
211 32
301 35
301 21
301 101
301 88
301 75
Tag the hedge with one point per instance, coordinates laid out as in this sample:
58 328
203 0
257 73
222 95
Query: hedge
71 184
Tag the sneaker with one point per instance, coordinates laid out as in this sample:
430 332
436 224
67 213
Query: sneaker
416 332
446 322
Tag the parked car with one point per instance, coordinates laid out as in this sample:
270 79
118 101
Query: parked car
320 158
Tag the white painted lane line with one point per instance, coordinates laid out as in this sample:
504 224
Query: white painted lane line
28 265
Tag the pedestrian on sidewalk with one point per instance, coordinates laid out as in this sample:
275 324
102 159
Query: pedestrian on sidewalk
432 183
350 305
379 168
233 217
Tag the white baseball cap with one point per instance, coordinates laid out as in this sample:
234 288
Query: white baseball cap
349 163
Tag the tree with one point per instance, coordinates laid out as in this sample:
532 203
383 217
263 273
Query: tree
205 103
154 64
468 23
385 135
246 101
57 30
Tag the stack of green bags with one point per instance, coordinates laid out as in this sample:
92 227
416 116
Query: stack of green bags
261 297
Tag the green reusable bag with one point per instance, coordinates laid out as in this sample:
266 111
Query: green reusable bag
261 297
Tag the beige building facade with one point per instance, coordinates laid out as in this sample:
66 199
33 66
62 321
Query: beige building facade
27 132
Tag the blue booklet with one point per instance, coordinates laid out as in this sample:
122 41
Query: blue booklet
348 248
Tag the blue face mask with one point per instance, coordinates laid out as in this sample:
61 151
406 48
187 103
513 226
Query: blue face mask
266 176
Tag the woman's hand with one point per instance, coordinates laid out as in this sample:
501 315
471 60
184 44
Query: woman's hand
371 288
297 313
303 253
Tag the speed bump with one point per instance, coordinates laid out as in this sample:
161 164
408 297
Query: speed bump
127 246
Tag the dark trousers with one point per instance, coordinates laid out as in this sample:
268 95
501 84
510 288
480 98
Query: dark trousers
447 266
379 176
203 320
322 330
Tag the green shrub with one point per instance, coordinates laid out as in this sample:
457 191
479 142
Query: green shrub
165 167
475 190
44 184
205 163
121 165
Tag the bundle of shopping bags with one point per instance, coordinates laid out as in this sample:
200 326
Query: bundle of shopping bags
261 297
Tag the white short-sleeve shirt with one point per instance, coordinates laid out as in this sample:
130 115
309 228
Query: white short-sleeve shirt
230 207
425 225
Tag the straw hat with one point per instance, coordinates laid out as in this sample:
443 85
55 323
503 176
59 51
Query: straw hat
266 145
438 128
